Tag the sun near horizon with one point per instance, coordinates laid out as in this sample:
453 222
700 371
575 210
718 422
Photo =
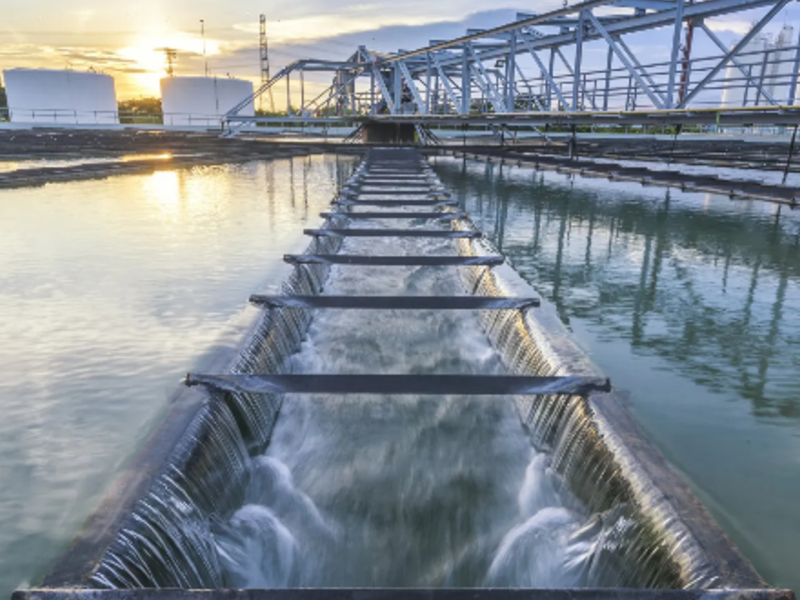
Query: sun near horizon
128 42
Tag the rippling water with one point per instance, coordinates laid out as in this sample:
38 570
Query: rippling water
109 292
691 302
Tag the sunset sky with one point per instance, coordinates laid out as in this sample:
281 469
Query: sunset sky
121 38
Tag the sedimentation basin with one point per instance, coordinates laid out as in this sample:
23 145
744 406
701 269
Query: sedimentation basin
599 497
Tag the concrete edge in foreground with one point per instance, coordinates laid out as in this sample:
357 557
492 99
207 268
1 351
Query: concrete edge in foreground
404 594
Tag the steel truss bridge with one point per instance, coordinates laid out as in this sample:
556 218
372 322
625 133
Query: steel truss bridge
534 72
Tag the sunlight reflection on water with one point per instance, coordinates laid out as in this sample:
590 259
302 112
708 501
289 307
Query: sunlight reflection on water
109 292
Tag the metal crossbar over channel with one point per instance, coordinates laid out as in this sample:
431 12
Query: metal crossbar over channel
410 203
397 302
426 233
479 385
390 190
439 216
397 180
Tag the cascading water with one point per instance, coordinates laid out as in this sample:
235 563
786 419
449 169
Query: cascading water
416 492
423 491
398 491
167 541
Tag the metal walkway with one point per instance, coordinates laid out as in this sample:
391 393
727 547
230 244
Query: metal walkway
405 181
571 65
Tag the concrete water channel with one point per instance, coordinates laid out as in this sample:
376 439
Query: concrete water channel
629 520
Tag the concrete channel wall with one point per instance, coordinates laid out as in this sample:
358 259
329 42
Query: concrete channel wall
603 456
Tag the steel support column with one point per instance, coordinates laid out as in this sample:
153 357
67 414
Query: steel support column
436 94
576 74
609 65
302 92
676 43
372 108
397 95
428 83
288 96
466 81
551 64
511 71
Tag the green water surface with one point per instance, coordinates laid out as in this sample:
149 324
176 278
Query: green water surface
691 303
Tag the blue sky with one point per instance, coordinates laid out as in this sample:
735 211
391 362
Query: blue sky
121 38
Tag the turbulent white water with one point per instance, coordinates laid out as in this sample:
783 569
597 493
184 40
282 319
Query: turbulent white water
396 491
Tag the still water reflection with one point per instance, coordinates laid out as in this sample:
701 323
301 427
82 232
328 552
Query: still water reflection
692 303
109 291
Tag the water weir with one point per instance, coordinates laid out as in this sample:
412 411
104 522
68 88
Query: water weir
345 444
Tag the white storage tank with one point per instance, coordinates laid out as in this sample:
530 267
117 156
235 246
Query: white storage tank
738 91
769 63
51 96
202 101
781 65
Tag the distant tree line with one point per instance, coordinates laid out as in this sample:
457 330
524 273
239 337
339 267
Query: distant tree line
140 110
151 106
